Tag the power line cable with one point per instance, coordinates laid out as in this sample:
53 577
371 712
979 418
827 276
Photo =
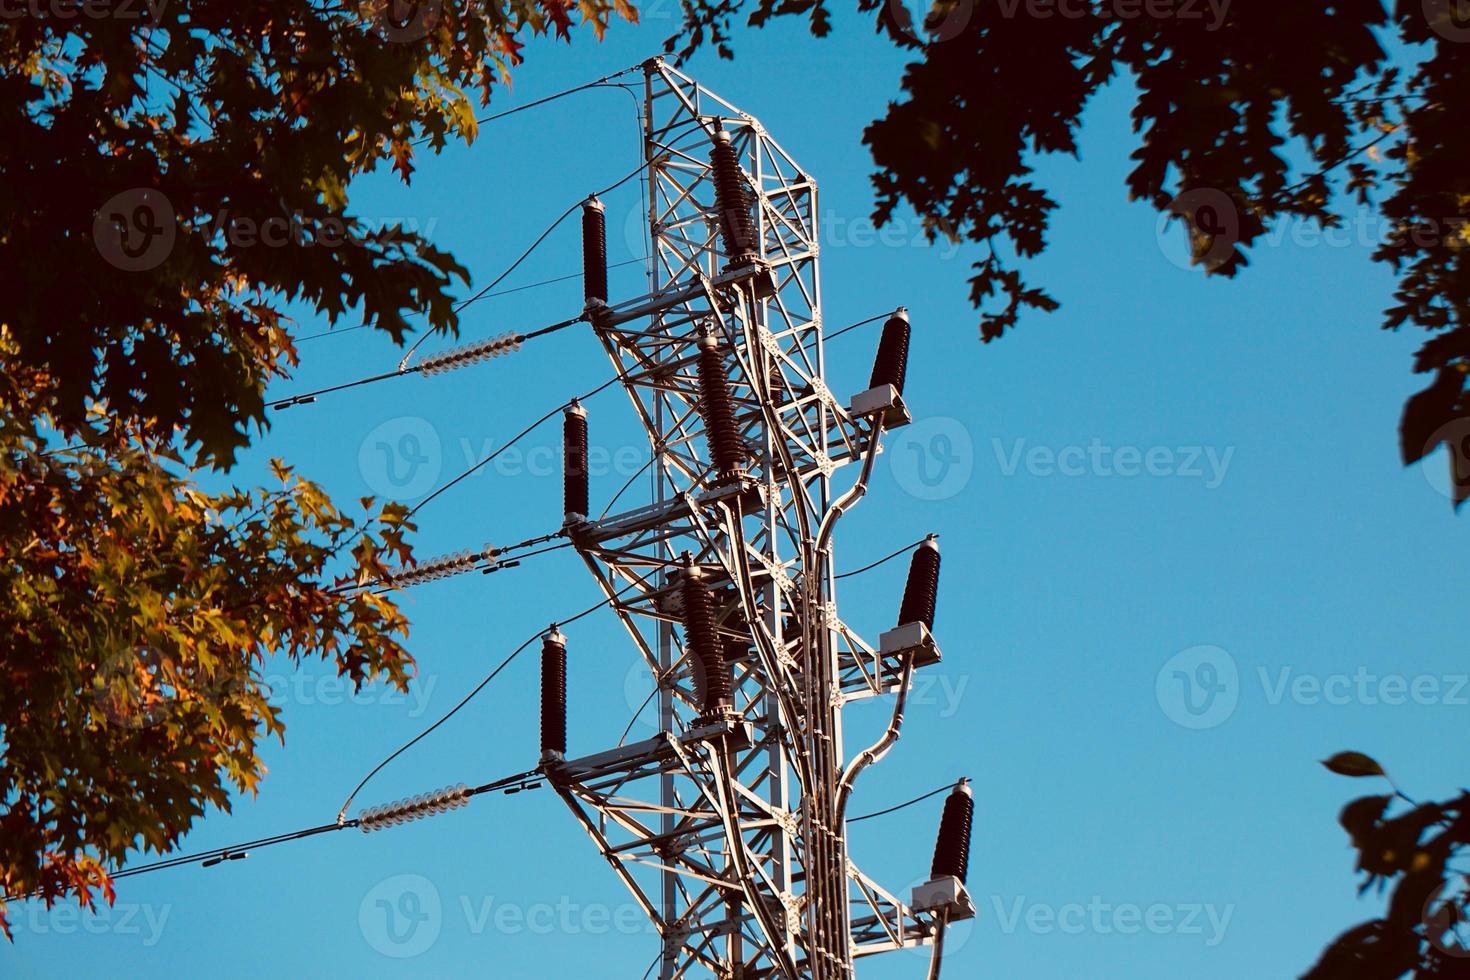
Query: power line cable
508 785
444 361
860 323
472 352
341 814
901 806
516 438
603 82
501 292
886 558
403 364
474 468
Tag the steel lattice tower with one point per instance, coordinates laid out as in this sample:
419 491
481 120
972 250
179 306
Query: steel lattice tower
728 826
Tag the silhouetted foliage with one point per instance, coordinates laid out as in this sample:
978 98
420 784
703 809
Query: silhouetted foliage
172 174
1248 112
1423 933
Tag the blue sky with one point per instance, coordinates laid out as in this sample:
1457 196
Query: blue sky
1181 565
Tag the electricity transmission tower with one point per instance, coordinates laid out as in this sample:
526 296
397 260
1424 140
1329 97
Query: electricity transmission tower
728 827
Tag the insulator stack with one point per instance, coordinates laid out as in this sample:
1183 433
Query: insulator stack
574 463
726 449
737 228
553 695
467 354
413 808
952 849
594 252
436 568
891 363
702 641
922 589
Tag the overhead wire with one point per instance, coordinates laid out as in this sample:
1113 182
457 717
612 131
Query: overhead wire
403 364
473 469
341 815
603 82
508 785
502 292
517 338
885 558
860 323
457 357
514 439
403 369
636 715
901 806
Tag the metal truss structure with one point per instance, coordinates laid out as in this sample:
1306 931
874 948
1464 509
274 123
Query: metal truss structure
728 827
